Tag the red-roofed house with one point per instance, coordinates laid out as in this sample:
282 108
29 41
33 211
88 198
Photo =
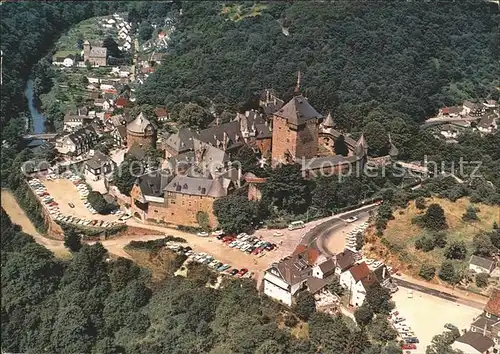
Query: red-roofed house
308 253
121 102
357 280
161 114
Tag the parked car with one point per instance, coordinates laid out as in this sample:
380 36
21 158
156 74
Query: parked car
202 234
412 340
71 205
242 272
220 237
277 234
234 272
223 267
408 346
450 326
352 219
218 233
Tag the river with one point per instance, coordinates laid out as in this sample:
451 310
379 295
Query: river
37 119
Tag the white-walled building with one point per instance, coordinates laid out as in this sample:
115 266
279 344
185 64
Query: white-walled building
473 343
357 280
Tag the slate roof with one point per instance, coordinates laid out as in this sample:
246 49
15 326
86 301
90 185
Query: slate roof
487 120
98 160
181 141
98 52
481 262
298 111
328 122
335 133
153 183
122 131
476 340
493 305
327 161
197 186
228 134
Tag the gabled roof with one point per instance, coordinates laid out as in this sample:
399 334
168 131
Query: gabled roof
197 186
181 141
476 341
137 152
327 266
481 262
98 160
298 111
345 259
493 305
153 183
360 271
308 253
293 269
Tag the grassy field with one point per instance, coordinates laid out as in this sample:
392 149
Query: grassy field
238 12
402 233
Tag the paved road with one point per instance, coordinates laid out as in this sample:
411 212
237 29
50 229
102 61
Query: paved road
318 236
450 297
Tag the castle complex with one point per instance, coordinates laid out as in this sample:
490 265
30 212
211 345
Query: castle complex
198 168
96 56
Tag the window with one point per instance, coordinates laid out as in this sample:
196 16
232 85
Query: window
172 201
488 314
189 203
155 211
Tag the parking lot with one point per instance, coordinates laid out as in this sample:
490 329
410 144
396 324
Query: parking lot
427 315
66 200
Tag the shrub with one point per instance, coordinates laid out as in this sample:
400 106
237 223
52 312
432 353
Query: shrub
457 250
153 245
470 214
433 219
447 272
420 203
203 220
424 243
427 271
482 280
72 241
359 241
306 305
99 203
291 321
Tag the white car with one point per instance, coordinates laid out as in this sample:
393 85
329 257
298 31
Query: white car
217 233
352 219
277 234
202 234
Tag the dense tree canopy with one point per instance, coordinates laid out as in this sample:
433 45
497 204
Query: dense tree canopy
353 58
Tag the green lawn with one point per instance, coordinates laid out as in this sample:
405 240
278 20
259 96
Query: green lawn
237 12
89 29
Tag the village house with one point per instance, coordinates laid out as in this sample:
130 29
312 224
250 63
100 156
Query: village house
452 112
473 109
488 123
285 278
481 265
473 343
99 166
344 260
67 62
103 103
75 122
488 323
161 114
94 55
357 280
121 102
78 142
119 134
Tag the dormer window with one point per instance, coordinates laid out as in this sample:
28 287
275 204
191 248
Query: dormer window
488 314
185 186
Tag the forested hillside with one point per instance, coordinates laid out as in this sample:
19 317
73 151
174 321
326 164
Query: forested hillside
405 57
91 305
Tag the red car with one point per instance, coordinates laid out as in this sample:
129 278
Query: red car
228 241
409 346
242 272
227 238
53 204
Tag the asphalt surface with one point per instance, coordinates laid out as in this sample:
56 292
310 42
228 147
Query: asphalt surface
318 236
405 284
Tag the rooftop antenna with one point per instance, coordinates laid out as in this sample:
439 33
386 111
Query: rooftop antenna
297 87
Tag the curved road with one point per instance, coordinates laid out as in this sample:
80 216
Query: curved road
318 237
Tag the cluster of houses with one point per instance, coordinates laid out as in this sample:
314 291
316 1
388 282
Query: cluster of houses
482 117
96 54
483 336
307 269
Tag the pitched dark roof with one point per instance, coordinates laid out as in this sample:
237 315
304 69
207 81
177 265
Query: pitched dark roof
197 186
137 152
98 160
345 259
327 266
298 111
476 340
293 269
379 273
122 130
316 284
153 183
308 253
481 262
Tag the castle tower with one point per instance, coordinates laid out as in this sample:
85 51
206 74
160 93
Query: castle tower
361 146
295 130
142 132
86 50
328 122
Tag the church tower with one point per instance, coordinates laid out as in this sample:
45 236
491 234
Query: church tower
295 130
86 50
